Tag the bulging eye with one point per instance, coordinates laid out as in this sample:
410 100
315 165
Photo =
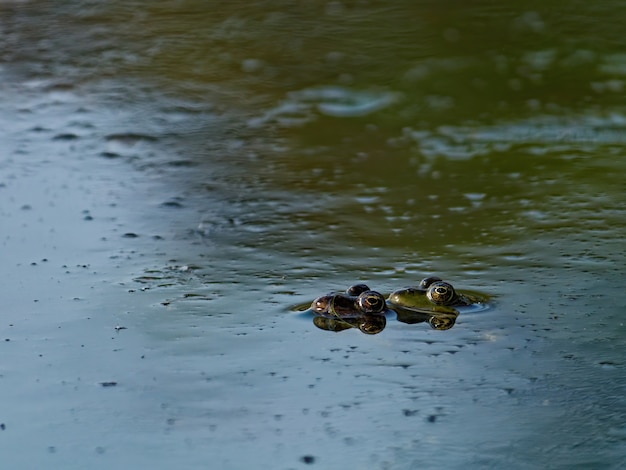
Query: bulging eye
357 289
371 302
441 293
426 282
321 304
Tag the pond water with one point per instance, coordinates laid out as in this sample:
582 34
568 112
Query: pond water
177 176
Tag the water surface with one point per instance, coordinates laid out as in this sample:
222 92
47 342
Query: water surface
176 176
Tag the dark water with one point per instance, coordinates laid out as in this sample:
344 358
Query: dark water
190 171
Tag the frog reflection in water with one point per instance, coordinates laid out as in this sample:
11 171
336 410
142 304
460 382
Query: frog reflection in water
357 307
433 301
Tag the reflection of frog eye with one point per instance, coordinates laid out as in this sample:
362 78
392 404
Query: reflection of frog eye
373 324
442 322
441 293
357 289
425 283
371 302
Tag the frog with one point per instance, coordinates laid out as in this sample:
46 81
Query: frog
431 291
356 301
357 307
434 301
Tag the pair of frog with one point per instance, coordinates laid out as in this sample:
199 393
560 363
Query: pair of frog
433 300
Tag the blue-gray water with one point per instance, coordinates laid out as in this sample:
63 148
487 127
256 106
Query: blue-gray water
176 176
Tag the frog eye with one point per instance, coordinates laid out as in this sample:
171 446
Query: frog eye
441 293
357 289
426 282
371 302
321 304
